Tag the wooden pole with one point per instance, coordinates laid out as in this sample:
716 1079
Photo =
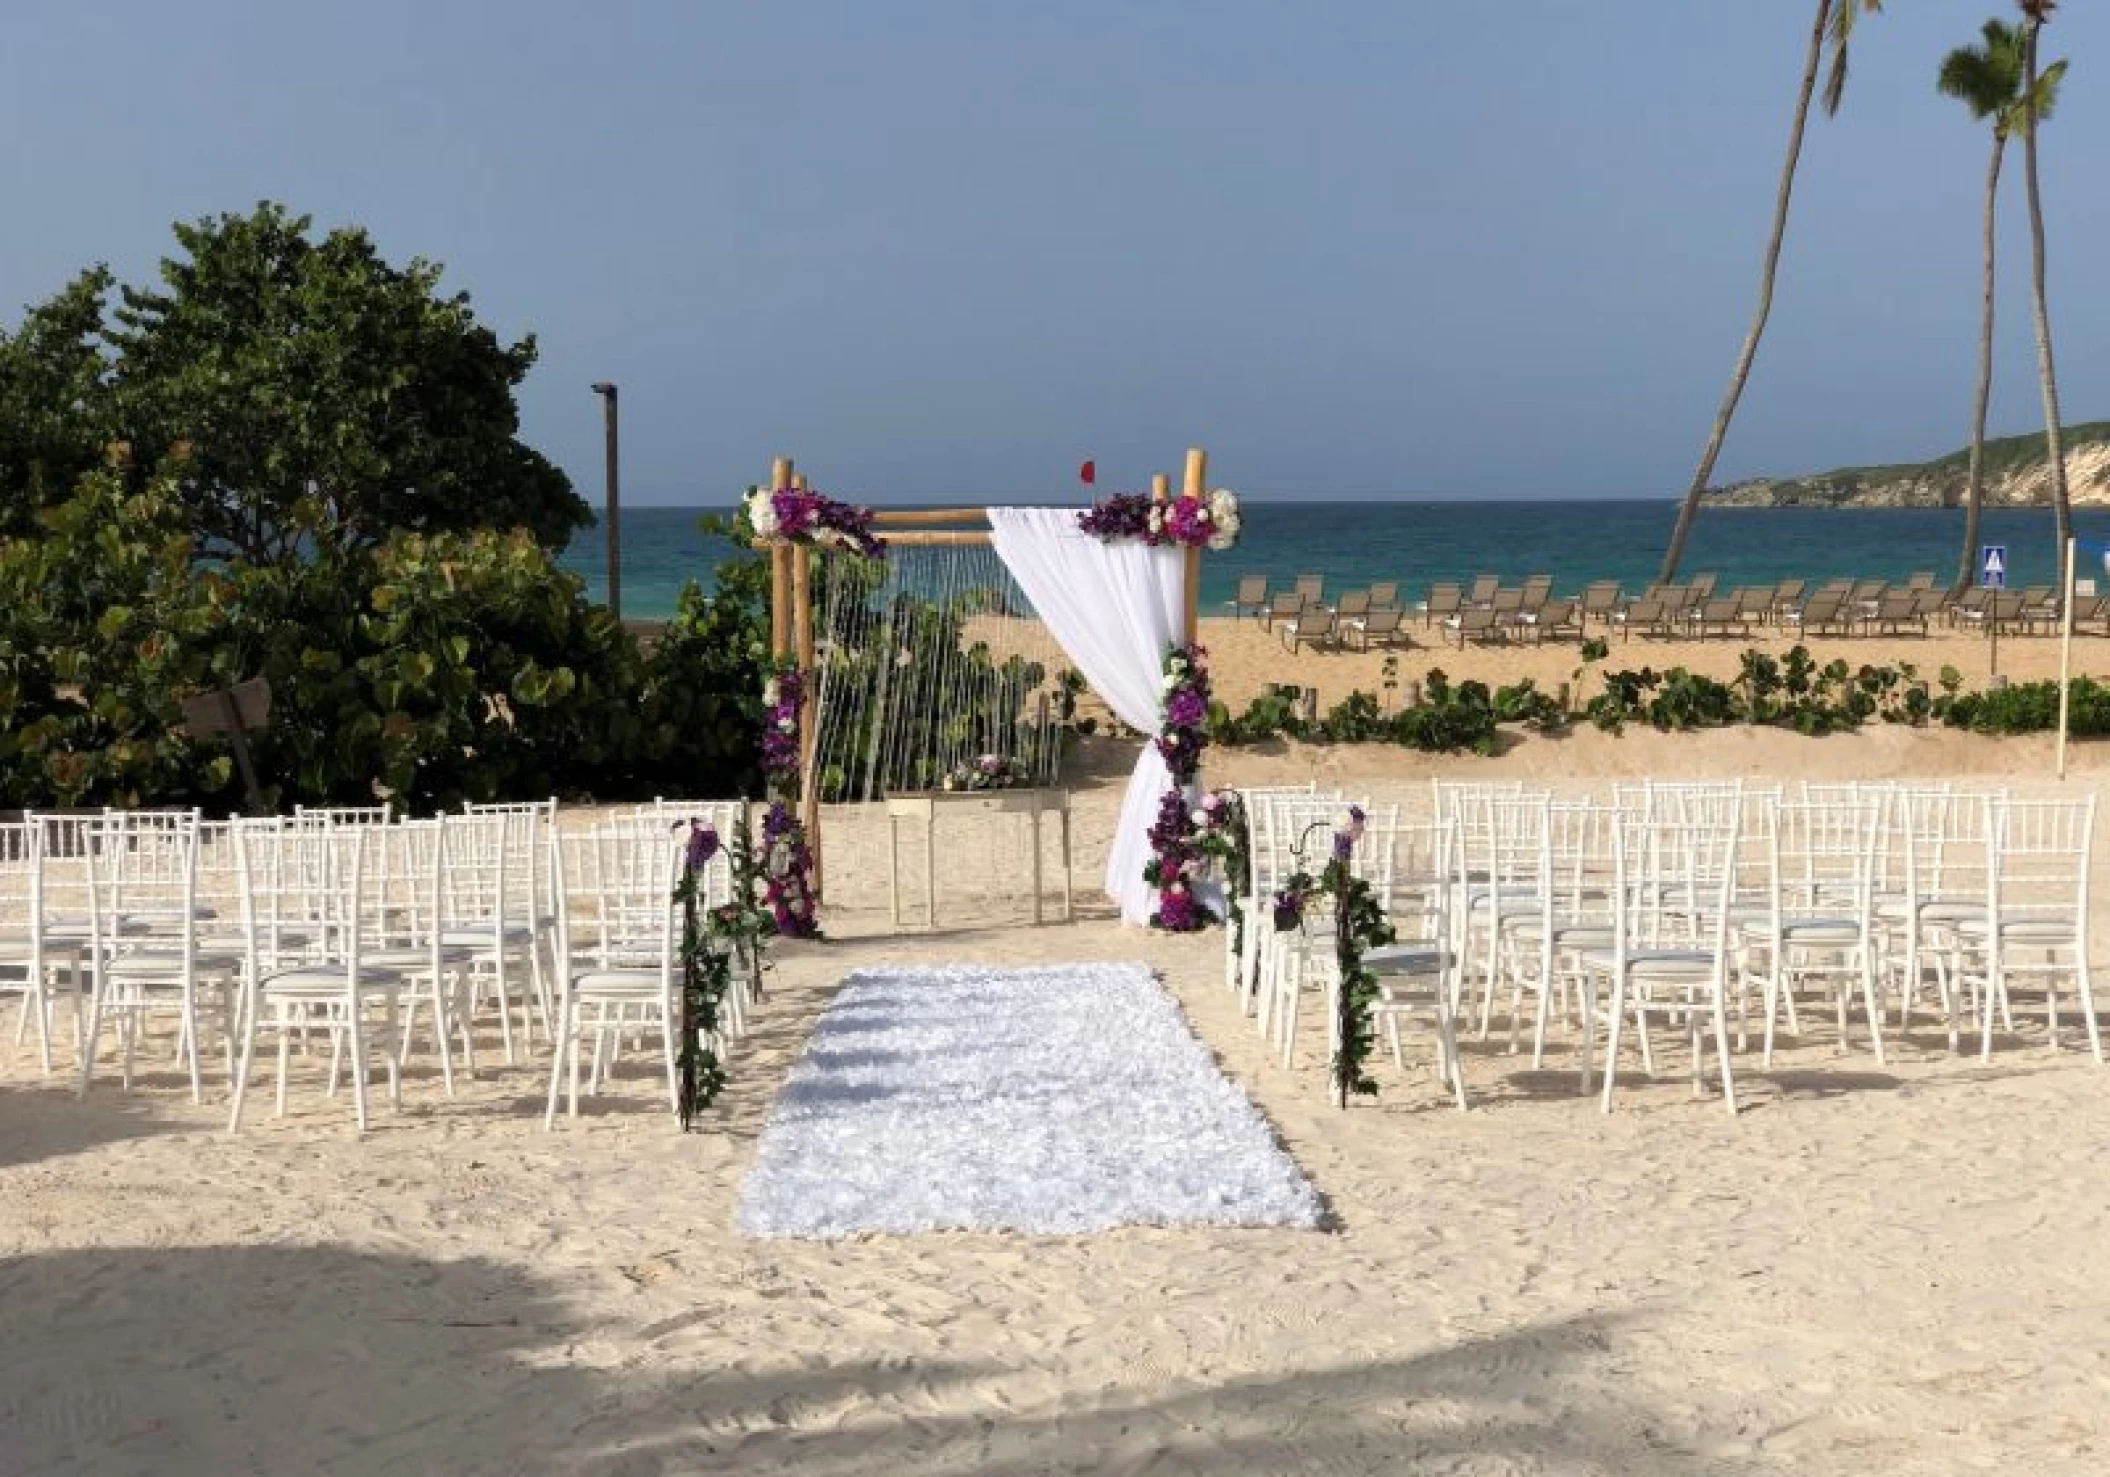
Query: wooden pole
2065 654
1160 487
798 481
1197 473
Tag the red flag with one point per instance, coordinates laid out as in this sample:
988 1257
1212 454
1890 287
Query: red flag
1088 473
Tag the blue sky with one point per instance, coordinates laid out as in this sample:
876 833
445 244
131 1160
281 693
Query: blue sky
942 248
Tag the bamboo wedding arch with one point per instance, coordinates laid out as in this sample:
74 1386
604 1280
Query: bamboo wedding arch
791 604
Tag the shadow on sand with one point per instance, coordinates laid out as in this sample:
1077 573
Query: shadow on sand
284 1359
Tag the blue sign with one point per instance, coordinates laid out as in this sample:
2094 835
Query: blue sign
1992 566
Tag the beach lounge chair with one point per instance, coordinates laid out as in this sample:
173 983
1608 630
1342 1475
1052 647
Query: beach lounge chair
1377 628
1352 604
1476 623
1599 600
1894 610
1967 609
1251 598
1287 605
1443 601
1555 619
1384 594
2040 609
1313 626
1825 610
1720 613
1650 615
1786 595
1538 589
1312 587
1483 590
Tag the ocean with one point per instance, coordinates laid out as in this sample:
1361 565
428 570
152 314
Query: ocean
1355 544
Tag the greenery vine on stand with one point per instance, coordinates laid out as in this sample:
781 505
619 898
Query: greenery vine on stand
1359 925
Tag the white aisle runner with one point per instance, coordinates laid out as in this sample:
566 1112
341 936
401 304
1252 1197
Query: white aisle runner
1060 1099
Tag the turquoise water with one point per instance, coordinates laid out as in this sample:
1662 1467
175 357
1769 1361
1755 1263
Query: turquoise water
1355 544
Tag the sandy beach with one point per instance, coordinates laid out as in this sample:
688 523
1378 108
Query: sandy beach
1871 1268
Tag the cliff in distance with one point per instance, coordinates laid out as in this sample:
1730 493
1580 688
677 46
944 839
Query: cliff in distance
2017 474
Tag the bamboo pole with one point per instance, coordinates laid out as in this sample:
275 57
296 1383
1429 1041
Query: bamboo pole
1160 487
779 572
908 517
809 799
798 481
1197 474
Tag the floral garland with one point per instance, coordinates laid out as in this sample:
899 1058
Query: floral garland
706 974
786 863
1176 852
1359 925
801 516
1227 840
1209 522
990 772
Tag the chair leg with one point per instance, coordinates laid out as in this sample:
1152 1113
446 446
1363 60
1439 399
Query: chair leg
565 1040
1611 1049
2087 997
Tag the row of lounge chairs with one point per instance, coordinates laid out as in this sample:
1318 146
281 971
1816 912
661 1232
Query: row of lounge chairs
1486 610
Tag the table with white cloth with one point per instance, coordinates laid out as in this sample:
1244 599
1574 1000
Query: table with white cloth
926 806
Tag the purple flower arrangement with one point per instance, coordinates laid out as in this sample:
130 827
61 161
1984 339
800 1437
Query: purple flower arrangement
802 516
989 772
782 696
1176 837
1210 522
787 873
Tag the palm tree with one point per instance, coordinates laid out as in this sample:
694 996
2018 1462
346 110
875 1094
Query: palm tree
1834 25
2040 93
1988 80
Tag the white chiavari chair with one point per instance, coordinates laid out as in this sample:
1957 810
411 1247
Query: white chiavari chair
1646 975
1817 923
324 876
150 950
617 949
1414 971
2035 925
39 964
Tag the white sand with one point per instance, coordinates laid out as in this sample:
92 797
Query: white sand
1891 1269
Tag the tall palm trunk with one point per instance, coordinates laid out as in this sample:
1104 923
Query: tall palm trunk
1722 417
1967 563
2054 442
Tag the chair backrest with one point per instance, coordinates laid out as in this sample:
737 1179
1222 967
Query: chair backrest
1352 603
1507 599
1788 591
1484 587
308 892
1423 867
1252 589
1601 597
1691 860
1311 586
1286 603
721 816
1701 585
1537 589
1383 621
2038 854
1317 621
1920 579
618 881
1821 855
347 815
1445 599
147 863
1383 594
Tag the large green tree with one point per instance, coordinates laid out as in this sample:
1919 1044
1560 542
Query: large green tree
2039 93
1833 27
52 403
301 388
1987 79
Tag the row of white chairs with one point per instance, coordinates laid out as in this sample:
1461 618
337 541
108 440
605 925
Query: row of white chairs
350 929
1689 905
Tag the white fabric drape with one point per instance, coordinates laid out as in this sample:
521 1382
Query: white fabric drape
1113 608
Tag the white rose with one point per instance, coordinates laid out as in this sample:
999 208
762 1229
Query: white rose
770 693
1201 817
762 513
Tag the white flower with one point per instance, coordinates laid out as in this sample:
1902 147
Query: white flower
1201 817
762 513
770 693
1157 520
787 725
